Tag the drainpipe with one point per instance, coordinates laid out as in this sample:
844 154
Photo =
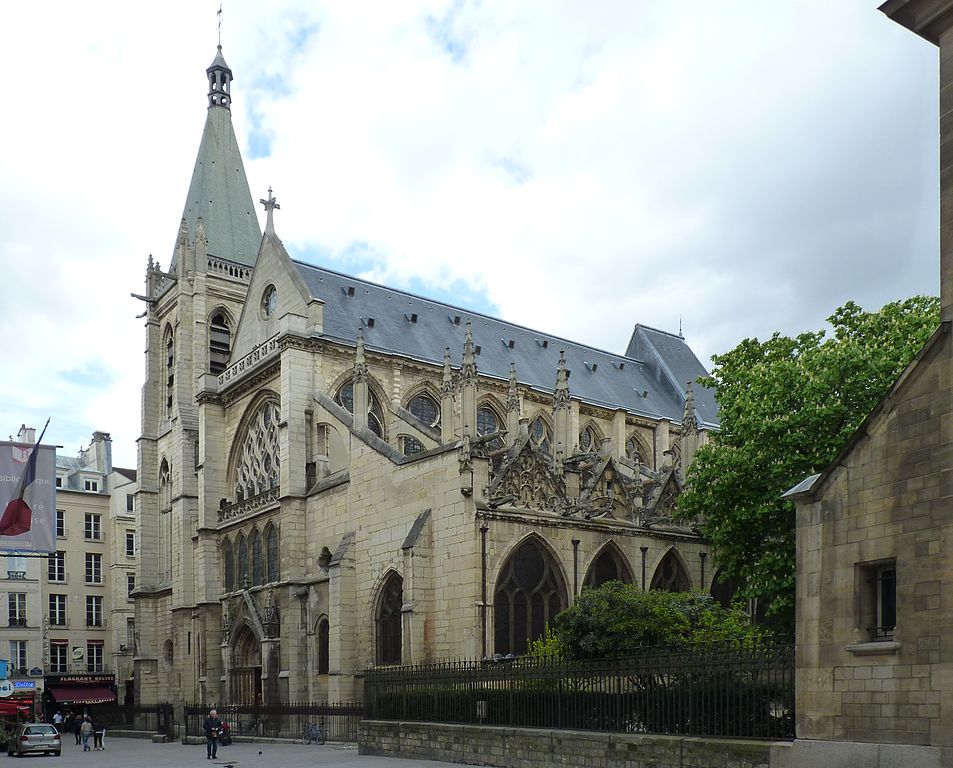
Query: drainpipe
483 530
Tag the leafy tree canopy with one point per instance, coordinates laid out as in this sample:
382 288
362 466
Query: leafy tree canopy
618 619
787 407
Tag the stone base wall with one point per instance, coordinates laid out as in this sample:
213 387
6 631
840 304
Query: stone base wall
532 747
806 753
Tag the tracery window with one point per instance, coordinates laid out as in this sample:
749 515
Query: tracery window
410 445
670 575
271 538
219 342
169 371
375 415
388 620
488 423
257 560
228 565
540 430
637 451
529 593
241 556
610 565
588 441
425 408
258 461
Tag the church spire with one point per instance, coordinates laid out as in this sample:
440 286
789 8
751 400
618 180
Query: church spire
219 81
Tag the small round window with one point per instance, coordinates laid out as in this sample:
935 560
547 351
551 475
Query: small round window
269 301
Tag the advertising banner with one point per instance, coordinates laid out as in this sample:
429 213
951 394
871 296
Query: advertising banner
27 497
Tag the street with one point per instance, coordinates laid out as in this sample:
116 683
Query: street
122 753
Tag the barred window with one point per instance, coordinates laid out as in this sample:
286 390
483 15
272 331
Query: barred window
259 462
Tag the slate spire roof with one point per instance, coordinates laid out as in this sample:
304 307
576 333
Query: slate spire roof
218 192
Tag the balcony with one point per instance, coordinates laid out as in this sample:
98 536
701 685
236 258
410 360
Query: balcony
16 575
17 622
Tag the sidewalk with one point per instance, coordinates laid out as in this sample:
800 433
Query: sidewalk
123 752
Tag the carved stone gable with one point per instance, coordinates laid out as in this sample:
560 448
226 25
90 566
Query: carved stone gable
525 479
612 491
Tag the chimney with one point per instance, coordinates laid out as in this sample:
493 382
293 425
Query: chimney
26 435
103 449
933 21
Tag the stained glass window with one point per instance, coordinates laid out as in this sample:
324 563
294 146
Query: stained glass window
259 463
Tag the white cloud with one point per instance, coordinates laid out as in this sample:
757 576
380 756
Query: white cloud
737 169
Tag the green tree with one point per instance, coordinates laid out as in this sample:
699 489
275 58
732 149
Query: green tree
618 619
787 407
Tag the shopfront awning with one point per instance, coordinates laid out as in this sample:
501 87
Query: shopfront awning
82 694
15 707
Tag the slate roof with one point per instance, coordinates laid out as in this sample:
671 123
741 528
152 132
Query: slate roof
219 191
597 377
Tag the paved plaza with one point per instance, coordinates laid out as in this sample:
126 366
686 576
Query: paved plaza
140 753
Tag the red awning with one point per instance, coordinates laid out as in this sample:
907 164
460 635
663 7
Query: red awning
82 694
14 707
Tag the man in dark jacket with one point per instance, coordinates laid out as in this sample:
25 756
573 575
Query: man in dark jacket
212 727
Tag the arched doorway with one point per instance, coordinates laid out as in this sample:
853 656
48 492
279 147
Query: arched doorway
245 670
530 591
609 565
671 575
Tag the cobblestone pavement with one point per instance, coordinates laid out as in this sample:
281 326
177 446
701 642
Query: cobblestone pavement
140 753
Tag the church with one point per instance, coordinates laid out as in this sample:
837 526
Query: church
336 475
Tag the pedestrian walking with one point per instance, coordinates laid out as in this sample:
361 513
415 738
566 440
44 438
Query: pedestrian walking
85 731
212 727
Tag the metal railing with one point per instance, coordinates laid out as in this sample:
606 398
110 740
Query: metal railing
283 721
151 718
732 692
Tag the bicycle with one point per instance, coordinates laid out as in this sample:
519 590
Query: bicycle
314 733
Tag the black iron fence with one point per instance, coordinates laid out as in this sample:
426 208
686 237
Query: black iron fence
283 721
153 718
734 692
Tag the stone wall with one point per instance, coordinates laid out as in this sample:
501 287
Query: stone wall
532 747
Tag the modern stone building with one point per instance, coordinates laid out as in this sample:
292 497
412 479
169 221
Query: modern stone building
335 474
875 574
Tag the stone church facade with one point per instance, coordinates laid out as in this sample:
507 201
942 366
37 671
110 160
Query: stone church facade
335 474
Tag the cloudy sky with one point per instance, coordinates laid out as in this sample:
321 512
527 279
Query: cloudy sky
733 168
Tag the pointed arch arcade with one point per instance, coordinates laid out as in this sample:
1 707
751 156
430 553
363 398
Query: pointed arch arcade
530 591
671 574
609 565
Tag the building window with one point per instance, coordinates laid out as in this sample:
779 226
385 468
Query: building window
130 504
94 656
16 609
56 567
59 656
219 343
257 560
93 528
241 555
94 568
375 414
18 657
228 565
389 620
541 432
130 543
488 423
131 634
57 610
637 451
425 409
274 569
91 485
529 593
61 523
130 584
324 658
94 611
259 464
670 575
59 482
169 371
16 567
410 446
877 595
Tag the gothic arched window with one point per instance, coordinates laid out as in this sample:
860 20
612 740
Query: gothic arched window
636 450
425 408
324 654
241 557
257 560
529 593
488 422
388 620
165 521
169 343
588 440
610 565
274 569
670 574
375 415
541 432
219 342
228 565
410 445
258 464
